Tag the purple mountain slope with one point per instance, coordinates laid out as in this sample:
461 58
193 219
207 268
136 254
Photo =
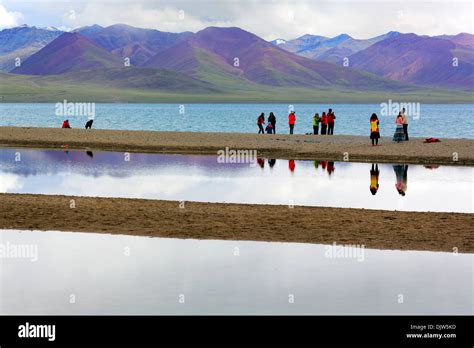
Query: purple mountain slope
234 58
69 52
419 60
463 39
223 53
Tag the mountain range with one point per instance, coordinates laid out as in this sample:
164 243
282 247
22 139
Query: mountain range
232 60
136 43
21 42
445 61
221 56
329 49
232 53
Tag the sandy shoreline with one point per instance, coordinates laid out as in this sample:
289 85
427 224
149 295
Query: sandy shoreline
153 218
336 148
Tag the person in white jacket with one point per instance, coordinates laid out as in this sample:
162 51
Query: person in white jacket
405 123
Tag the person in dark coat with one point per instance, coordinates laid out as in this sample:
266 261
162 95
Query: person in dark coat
272 120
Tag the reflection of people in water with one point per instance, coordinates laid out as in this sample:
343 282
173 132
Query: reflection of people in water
325 165
330 167
90 154
261 162
401 172
374 178
271 162
291 165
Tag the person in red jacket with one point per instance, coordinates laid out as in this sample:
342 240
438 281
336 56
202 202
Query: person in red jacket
331 117
291 121
330 168
291 165
260 123
66 124
324 123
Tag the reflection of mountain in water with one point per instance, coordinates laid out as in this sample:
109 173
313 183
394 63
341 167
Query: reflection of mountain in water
96 164
204 179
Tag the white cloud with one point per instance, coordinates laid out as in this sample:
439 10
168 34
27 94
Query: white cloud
167 18
267 18
9 19
9 183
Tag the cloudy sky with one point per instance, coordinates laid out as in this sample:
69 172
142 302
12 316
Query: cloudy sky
269 19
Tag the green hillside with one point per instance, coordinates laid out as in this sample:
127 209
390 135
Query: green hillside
105 88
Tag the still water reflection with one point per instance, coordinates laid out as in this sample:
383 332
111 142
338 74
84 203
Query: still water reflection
266 181
79 273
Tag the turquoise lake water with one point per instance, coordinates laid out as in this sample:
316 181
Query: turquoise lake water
435 120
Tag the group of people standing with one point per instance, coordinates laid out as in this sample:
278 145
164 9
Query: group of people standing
401 130
326 121
271 126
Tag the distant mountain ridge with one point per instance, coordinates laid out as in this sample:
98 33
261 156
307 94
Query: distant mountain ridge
89 31
332 50
135 43
409 58
233 53
444 61
21 42
217 58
